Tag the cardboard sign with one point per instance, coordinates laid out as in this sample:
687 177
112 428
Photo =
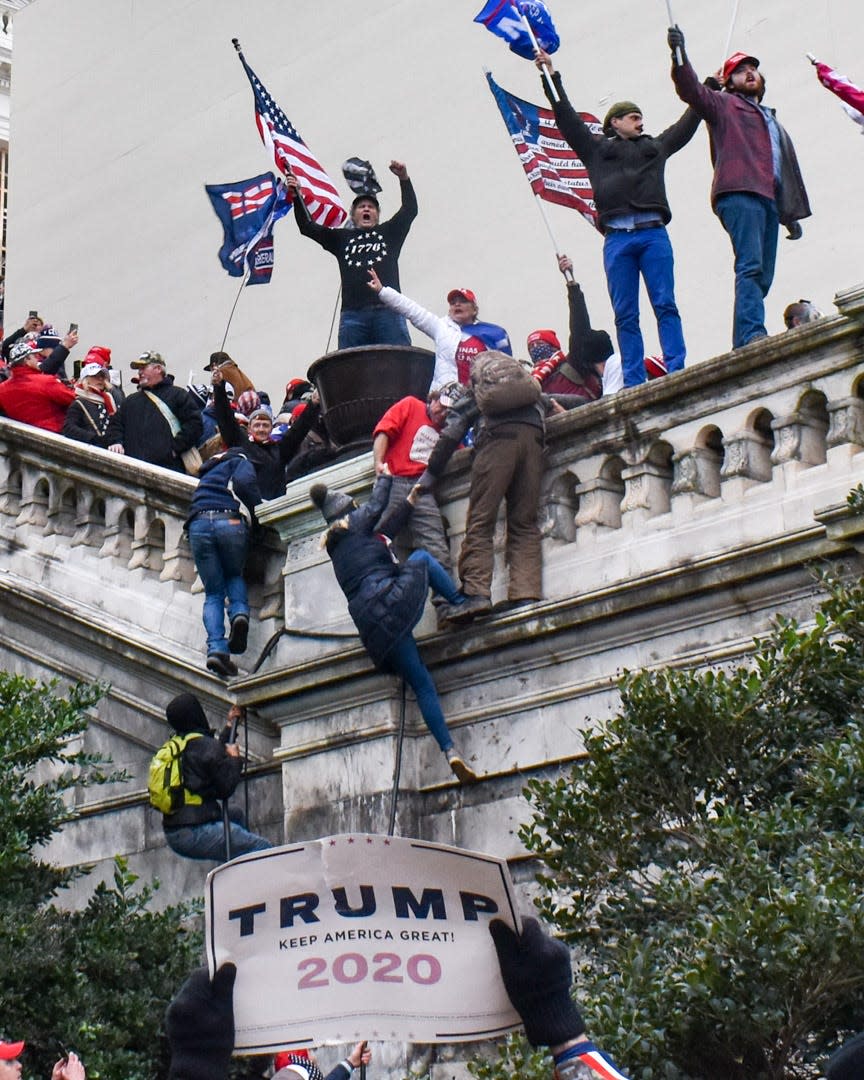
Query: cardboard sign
361 937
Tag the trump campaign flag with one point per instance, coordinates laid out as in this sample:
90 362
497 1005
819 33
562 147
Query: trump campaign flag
554 170
248 210
291 154
506 18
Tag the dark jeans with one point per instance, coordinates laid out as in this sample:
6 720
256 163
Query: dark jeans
753 225
207 841
219 547
405 657
626 255
372 326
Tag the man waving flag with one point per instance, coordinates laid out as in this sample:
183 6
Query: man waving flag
292 156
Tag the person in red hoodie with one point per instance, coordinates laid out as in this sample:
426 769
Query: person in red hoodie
32 397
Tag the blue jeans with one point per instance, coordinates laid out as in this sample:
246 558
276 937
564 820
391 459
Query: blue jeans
626 255
440 581
219 547
207 841
753 225
372 326
405 657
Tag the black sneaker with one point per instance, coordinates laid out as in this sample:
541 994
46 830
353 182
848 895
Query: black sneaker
220 663
239 634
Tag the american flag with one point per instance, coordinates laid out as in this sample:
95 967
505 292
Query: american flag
292 155
554 170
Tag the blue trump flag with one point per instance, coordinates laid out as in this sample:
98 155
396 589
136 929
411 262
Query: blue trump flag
248 209
504 18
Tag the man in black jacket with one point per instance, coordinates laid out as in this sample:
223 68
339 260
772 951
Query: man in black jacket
159 423
211 769
367 245
268 459
626 169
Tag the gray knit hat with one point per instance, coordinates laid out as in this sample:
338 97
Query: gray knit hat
332 504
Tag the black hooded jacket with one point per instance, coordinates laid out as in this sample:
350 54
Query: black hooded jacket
208 769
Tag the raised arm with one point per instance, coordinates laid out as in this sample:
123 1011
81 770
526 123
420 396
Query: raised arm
231 432
401 220
700 98
573 127
327 238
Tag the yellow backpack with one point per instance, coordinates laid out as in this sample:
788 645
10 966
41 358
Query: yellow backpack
165 783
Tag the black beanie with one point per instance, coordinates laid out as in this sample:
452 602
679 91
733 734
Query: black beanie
597 347
184 713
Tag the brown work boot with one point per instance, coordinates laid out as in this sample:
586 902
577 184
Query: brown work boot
461 770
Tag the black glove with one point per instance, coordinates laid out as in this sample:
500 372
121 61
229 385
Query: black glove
537 977
794 230
200 1026
712 82
847 1063
675 40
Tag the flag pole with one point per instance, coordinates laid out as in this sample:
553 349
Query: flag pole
678 57
234 308
731 32
568 274
547 78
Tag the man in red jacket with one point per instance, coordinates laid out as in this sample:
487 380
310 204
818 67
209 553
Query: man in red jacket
32 397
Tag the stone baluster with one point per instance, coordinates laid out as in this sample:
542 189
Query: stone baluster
845 422
647 487
798 437
696 472
177 562
599 505
35 492
746 459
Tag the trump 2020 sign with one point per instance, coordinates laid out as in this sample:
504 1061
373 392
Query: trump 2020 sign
361 937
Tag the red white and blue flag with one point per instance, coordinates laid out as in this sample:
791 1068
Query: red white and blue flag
554 169
248 210
851 95
507 18
292 155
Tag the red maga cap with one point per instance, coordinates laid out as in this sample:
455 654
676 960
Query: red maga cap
9 1051
735 60
465 294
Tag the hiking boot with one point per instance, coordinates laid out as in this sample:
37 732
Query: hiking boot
446 613
511 605
221 664
239 633
471 609
463 772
